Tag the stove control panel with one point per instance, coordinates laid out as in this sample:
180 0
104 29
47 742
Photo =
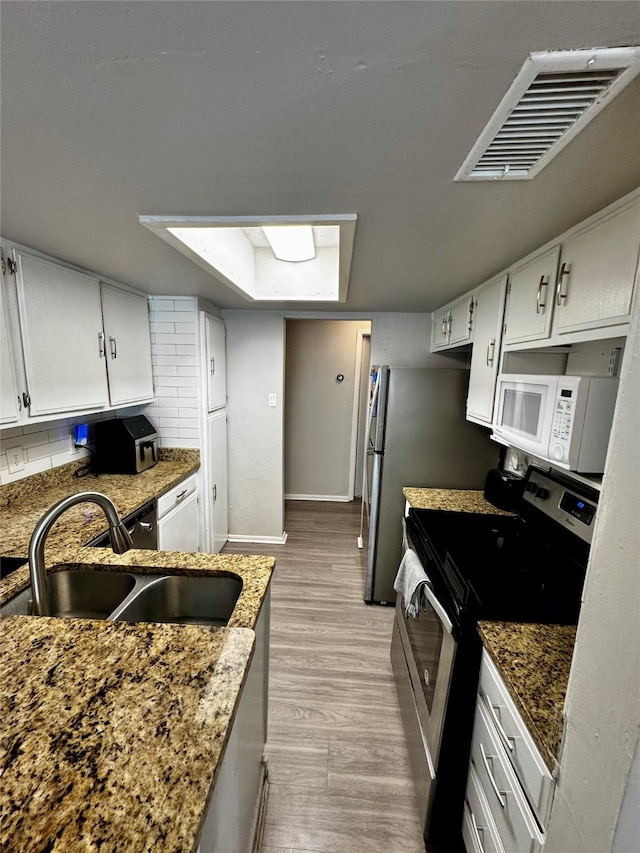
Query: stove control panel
570 504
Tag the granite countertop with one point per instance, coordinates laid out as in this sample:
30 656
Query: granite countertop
113 732
24 502
534 663
456 500
114 759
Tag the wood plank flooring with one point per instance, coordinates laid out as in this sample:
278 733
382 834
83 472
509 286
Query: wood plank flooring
338 764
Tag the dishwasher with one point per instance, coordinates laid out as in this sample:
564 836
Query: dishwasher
142 526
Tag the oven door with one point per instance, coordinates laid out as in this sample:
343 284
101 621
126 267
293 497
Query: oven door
423 653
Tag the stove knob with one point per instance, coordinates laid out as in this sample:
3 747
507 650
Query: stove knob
541 493
530 487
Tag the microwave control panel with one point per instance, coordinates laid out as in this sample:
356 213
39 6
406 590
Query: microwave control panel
562 423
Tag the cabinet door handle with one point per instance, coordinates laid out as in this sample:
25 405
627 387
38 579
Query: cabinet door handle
508 741
499 794
444 326
565 269
112 344
213 365
491 350
477 830
470 309
181 494
215 493
449 322
540 305
19 403
100 344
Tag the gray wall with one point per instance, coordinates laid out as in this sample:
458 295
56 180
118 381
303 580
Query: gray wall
603 697
404 340
319 409
255 369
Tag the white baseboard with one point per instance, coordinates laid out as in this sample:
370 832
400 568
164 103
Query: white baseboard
259 540
343 498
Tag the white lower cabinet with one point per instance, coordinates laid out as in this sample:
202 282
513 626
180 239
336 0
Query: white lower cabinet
232 823
178 517
509 788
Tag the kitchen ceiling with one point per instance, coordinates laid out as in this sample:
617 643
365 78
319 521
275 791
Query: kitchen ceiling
115 109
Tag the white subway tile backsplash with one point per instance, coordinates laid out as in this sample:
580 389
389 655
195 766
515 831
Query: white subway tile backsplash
185 305
162 316
168 432
164 349
4 462
189 433
188 392
177 360
49 449
187 370
185 328
162 328
30 468
178 340
181 442
166 370
183 349
179 381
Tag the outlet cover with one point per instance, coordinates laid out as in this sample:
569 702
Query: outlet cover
273 400
15 457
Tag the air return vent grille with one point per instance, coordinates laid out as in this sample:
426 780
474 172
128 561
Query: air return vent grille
553 97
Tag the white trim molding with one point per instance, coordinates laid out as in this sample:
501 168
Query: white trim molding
342 498
259 540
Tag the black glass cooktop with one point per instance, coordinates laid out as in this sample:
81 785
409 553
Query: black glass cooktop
500 567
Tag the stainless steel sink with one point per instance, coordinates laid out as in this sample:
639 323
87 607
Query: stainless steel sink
89 594
182 599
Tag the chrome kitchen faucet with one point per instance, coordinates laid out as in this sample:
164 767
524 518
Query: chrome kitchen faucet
120 542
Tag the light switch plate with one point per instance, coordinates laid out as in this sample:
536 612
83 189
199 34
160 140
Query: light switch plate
15 457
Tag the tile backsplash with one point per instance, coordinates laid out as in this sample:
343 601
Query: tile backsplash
48 445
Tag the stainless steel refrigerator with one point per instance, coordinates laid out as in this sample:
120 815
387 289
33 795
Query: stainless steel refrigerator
418 437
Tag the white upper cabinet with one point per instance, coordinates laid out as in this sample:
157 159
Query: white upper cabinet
485 357
530 298
62 337
597 269
216 363
453 325
10 402
128 345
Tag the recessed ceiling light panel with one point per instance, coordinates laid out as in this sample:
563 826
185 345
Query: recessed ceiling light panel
554 96
257 257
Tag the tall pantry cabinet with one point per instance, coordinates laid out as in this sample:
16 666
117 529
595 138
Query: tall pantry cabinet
214 453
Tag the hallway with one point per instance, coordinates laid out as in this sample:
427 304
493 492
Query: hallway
338 766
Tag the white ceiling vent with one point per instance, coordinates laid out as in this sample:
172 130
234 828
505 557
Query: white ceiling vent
553 97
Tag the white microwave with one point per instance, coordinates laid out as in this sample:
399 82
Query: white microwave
565 420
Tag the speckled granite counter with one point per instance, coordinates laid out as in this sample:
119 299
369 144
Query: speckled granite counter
534 663
456 500
95 755
23 503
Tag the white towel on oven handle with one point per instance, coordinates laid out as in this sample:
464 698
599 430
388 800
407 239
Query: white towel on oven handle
409 581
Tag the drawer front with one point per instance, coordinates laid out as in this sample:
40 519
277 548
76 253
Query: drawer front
518 743
178 494
512 814
478 828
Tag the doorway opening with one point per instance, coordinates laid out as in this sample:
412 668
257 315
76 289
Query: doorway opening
327 370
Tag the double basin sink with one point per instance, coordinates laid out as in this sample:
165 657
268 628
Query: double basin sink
127 597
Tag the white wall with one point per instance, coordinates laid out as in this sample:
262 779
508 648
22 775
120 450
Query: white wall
404 340
603 697
319 409
255 369
174 356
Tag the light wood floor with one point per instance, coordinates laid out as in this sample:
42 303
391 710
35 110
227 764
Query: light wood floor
338 764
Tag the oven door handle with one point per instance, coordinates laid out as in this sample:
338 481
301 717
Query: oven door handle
439 609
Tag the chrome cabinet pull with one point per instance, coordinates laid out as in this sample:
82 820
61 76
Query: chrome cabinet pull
444 326
449 323
112 344
100 344
508 741
477 830
19 403
213 365
499 794
540 305
565 269
470 309
215 493
181 494
491 350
